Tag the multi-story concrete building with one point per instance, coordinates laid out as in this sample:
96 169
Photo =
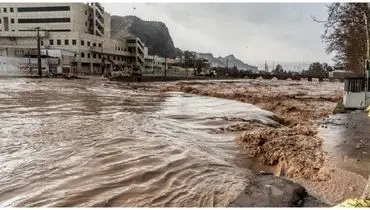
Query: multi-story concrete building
78 27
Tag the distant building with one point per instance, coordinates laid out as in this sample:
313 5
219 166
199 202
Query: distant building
341 74
78 27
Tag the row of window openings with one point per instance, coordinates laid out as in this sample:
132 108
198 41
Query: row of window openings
66 42
37 9
94 55
5 10
74 42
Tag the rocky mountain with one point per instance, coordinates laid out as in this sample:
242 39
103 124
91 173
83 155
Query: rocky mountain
154 34
229 60
156 37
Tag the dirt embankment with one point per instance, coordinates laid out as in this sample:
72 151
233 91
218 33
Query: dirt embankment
299 106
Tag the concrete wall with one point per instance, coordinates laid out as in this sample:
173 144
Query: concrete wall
79 18
21 66
21 42
107 25
353 100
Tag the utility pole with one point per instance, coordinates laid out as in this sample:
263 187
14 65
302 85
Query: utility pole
102 59
38 52
367 70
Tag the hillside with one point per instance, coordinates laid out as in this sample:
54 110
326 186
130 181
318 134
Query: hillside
154 34
229 60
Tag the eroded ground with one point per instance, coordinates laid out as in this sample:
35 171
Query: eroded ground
293 145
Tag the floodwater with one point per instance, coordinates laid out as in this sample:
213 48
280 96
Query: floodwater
346 138
93 143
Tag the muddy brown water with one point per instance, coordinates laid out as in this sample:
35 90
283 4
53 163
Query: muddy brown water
93 143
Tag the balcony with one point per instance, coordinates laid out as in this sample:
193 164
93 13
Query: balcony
140 52
99 15
101 9
98 12
99 24
98 32
141 45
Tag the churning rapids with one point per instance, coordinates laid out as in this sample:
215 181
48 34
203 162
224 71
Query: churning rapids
93 143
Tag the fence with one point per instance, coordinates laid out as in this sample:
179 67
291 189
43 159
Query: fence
355 85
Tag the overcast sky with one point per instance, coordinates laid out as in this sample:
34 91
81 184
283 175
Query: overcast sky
283 32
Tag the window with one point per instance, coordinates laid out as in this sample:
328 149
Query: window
74 42
66 42
59 42
51 30
5 10
125 49
6 24
85 12
12 20
99 56
0 20
42 43
94 44
85 23
115 48
82 55
88 55
11 9
88 44
51 42
13 30
94 55
44 20
82 42
43 9
99 45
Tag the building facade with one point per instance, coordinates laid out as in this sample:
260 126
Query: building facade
78 27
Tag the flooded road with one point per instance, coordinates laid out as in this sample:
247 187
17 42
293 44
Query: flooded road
347 141
89 143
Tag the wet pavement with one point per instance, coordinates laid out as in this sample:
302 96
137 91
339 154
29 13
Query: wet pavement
346 138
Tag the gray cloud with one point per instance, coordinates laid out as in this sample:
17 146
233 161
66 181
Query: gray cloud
253 32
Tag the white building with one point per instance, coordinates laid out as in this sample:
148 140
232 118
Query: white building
77 27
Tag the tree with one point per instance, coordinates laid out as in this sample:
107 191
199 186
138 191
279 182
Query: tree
316 69
201 64
327 68
347 34
278 70
190 59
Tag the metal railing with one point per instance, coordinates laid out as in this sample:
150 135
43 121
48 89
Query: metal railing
355 85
